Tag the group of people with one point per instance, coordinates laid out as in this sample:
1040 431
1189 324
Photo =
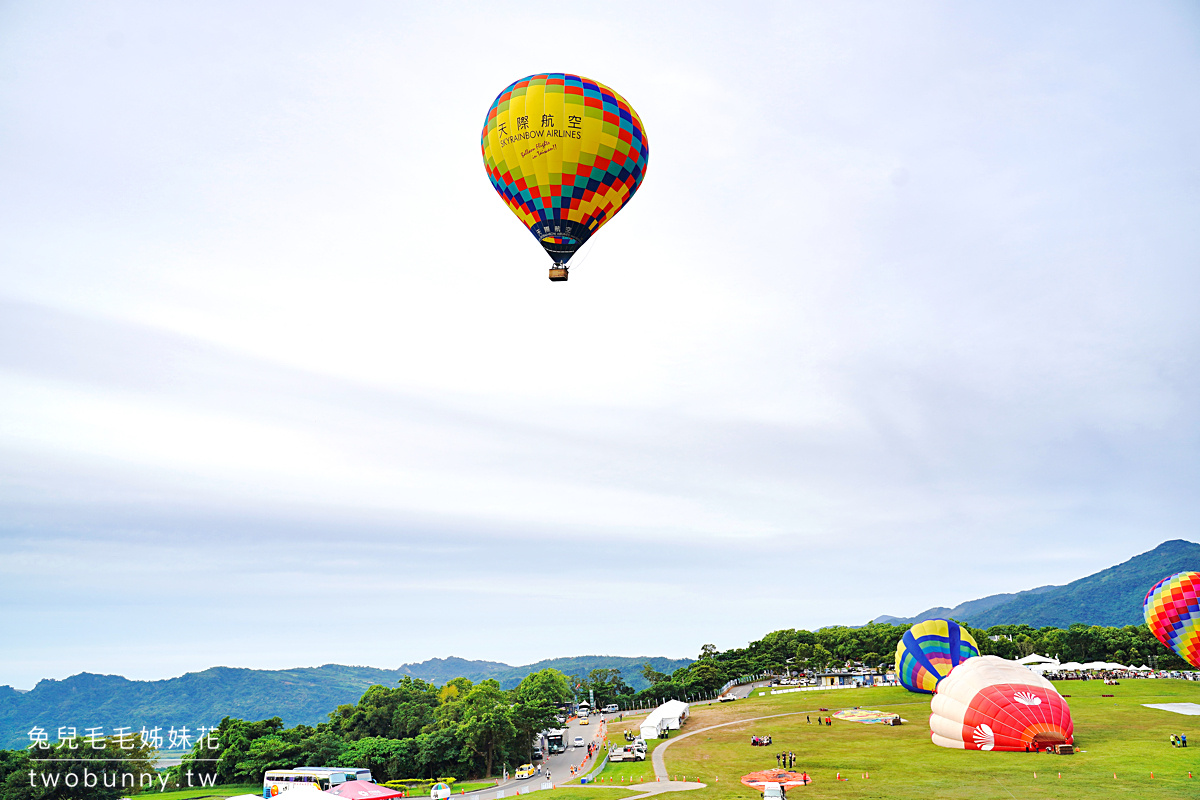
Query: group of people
1179 740
820 720
630 736
760 741
787 759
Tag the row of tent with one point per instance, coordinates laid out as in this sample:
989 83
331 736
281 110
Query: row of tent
1042 664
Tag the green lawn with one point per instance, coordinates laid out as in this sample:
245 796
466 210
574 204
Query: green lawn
1115 735
470 786
626 771
583 793
211 791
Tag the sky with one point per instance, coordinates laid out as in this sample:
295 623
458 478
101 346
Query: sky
903 315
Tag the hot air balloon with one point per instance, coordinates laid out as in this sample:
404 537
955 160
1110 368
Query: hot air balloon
929 650
1172 609
988 703
565 153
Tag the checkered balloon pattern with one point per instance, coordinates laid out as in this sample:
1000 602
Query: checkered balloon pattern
566 154
1172 609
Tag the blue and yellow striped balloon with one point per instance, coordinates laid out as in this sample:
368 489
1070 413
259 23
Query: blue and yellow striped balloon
929 650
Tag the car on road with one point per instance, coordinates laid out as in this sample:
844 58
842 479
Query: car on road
611 708
725 698
537 754
583 720
525 771
578 741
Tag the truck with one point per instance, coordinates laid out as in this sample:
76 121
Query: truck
556 741
626 753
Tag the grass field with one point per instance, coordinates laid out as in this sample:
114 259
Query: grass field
583 793
1115 735
211 791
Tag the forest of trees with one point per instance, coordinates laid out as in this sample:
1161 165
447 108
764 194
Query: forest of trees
463 729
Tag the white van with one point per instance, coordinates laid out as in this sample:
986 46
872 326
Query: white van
773 791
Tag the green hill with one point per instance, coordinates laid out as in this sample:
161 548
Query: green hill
302 695
1111 597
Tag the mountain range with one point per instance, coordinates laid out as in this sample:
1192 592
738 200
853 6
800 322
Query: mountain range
307 694
1111 597
302 695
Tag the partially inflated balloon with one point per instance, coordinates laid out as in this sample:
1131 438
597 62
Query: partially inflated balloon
1172 609
929 650
988 703
566 154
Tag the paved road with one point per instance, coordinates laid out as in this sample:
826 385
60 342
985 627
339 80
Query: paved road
558 765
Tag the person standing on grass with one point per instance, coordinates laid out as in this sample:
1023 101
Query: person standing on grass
777 754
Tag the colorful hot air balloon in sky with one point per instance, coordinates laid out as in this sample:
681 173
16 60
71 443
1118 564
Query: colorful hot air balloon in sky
1172 609
565 153
988 703
929 650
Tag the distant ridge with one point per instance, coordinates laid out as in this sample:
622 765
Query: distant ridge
1111 597
301 695
963 611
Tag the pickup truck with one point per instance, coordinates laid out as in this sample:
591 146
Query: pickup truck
627 753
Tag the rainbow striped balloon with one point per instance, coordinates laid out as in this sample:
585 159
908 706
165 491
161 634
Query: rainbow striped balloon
1172 609
929 650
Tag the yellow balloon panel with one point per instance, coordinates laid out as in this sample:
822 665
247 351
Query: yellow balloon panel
565 153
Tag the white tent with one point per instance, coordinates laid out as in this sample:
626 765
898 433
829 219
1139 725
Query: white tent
1071 665
1143 668
1035 659
669 716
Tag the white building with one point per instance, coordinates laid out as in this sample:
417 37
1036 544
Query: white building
667 717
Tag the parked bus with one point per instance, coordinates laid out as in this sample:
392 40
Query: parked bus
323 778
556 741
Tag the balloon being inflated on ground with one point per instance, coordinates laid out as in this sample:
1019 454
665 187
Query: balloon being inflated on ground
565 153
1172 611
929 650
988 703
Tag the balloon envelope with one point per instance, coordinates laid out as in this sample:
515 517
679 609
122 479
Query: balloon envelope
565 153
1172 610
988 703
929 650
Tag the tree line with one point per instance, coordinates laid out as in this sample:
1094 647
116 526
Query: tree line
464 729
